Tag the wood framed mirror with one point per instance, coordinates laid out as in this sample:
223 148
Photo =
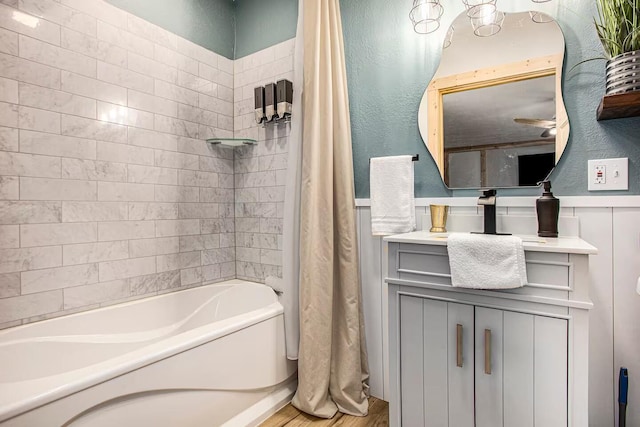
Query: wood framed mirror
493 115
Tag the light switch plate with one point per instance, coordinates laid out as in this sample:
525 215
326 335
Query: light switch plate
608 174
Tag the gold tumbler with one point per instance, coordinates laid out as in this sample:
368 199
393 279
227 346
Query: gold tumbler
438 218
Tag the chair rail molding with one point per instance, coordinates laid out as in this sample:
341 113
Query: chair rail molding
529 201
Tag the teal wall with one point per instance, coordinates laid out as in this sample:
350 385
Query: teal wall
230 28
389 67
263 23
209 23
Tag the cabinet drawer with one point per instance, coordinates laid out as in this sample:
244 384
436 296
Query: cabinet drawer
424 263
548 274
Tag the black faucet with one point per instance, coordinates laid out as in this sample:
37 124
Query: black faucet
488 200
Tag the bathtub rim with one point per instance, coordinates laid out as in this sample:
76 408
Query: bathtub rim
131 302
28 395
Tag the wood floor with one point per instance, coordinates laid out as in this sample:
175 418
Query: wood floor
291 417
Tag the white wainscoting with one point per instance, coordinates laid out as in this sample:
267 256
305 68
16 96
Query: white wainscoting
612 224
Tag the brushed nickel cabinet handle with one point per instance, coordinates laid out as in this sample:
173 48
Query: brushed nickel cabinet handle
459 344
487 351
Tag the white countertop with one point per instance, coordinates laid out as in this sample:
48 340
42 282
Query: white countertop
571 245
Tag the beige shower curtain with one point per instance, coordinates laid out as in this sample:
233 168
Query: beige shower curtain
332 362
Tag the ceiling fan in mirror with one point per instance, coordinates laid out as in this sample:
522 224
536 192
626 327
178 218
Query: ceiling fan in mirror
549 126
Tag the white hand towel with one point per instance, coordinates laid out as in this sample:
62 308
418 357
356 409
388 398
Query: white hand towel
482 261
393 208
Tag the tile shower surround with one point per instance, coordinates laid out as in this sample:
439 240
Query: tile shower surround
260 170
107 189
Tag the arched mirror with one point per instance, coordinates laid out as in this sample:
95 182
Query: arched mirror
493 115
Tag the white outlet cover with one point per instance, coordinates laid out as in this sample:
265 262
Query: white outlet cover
616 174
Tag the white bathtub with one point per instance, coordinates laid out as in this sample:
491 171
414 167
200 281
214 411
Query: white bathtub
208 356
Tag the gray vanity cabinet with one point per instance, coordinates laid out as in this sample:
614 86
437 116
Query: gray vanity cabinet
487 358
464 365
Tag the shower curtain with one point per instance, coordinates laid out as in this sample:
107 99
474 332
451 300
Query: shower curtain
332 360
291 226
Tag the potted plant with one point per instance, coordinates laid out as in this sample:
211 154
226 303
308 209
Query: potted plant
618 27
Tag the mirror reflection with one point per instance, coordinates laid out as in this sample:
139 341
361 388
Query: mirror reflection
493 115
508 147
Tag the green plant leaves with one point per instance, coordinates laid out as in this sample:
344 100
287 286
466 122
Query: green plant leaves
618 25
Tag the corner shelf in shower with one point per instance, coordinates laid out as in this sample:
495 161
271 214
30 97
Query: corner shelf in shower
619 106
232 142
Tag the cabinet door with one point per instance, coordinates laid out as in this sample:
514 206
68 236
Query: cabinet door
423 362
551 363
436 363
460 364
521 370
518 369
411 361
535 371
488 375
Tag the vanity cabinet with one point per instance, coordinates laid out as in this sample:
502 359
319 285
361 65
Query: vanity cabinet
486 358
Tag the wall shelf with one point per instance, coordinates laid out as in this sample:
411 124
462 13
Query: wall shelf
619 106
232 142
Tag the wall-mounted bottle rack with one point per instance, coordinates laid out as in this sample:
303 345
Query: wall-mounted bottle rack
273 103
276 122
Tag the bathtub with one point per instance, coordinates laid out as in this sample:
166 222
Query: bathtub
209 356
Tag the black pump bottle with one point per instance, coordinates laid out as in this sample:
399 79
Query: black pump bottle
548 209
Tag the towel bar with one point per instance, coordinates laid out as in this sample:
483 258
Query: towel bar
414 158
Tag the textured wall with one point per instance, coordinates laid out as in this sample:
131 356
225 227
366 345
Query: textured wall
230 28
388 69
209 23
260 170
389 66
260 24
107 188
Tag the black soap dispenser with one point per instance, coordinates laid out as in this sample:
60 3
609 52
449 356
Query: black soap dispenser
548 209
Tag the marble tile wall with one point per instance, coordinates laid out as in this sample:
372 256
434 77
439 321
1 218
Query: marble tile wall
108 191
260 170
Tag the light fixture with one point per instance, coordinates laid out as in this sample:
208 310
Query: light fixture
426 15
539 17
549 132
471 5
448 38
486 20
485 17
